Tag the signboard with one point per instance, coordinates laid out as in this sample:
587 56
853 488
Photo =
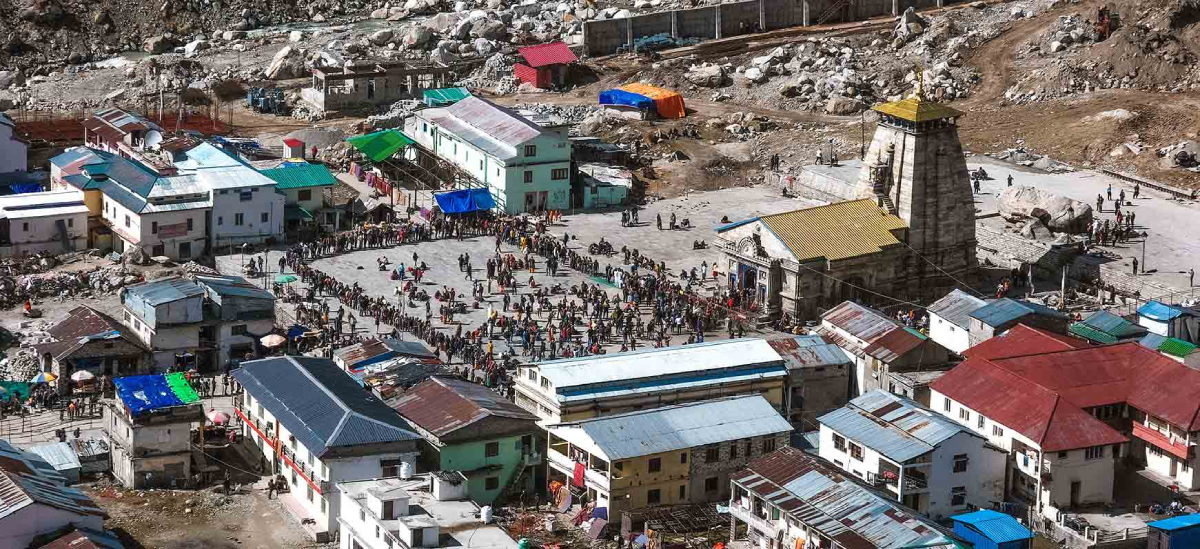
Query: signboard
172 231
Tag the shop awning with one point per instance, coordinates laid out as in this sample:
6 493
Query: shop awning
293 212
466 200
381 145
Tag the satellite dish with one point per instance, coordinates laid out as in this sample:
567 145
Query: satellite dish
153 138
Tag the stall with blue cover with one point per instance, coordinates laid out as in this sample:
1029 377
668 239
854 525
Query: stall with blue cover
465 201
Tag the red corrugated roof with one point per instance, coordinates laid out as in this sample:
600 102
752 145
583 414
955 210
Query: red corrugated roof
1023 340
293 142
442 406
553 53
893 345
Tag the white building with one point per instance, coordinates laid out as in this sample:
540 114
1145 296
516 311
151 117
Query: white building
121 132
526 166
317 427
14 153
950 320
35 501
245 204
53 222
394 513
924 460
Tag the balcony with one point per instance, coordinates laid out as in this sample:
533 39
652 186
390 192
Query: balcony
741 510
1175 446
531 458
565 465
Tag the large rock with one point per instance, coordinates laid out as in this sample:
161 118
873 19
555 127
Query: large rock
42 11
843 105
443 22
910 24
287 63
492 30
418 36
707 76
11 78
755 74
230 35
1022 203
191 48
381 37
442 56
158 44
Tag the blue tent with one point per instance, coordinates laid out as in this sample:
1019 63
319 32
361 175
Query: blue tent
622 97
466 200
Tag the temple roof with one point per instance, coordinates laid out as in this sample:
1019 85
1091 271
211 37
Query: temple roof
916 109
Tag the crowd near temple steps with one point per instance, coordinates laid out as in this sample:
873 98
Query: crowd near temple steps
598 275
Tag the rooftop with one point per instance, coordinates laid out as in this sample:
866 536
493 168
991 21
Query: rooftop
1005 310
233 286
996 526
300 176
442 406
165 290
551 53
322 406
376 350
25 479
841 230
680 426
148 393
491 128
917 109
1176 523
43 204
583 375
455 519
956 307
838 506
1023 340
82 325
1157 310
809 351
59 455
84 538
860 321
896 427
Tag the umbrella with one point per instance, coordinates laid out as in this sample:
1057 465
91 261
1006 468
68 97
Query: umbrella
83 375
217 417
273 340
285 279
44 377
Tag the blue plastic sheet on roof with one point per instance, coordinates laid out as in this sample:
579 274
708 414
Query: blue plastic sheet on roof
622 97
466 200
145 393
26 188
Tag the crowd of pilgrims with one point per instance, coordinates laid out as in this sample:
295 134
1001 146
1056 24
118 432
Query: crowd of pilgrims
547 322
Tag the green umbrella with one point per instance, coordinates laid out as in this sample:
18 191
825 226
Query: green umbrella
285 279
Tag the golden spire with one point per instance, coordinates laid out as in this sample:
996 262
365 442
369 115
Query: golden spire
919 91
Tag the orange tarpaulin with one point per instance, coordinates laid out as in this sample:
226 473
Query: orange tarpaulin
668 103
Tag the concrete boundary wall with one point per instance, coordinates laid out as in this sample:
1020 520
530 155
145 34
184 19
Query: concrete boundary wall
735 19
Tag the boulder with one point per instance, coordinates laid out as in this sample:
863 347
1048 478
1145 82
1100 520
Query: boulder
442 55
755 74
42 11
483 46
191 48
706 76
910 24
492 30
622 14
11 78
287 63
1021 202
295 36
840 105
418 36
158 44
233 35
1034 229
443 22
381 37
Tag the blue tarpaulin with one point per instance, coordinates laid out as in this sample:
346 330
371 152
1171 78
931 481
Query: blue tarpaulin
466 200
296 331
143 393
622 97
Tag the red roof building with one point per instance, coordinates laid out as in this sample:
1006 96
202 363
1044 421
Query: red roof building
1067 411
545 64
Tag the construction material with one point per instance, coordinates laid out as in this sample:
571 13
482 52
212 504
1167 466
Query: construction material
268 101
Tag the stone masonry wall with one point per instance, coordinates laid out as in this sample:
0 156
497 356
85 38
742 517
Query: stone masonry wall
702 469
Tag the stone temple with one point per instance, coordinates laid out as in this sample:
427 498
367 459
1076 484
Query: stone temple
899 224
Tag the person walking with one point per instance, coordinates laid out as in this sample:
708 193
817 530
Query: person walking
1135 266
1191 278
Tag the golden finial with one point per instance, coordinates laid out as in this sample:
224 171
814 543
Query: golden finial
919 91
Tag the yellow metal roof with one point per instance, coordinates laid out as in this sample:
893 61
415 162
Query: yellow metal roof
836 231
914 109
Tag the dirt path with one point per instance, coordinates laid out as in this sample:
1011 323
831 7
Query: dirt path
699 106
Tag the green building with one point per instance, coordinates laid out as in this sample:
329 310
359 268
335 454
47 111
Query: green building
469 428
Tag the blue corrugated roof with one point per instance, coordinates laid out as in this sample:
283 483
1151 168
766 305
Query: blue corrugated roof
234 286
59 455
165 291
1113 325
896 427
996 526
1005 310
1159 311
1152 341
681 426
1176 523
321 405
736 224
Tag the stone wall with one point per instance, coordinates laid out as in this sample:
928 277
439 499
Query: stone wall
718 21
701 468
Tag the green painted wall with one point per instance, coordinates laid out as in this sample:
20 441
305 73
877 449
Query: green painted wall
472 455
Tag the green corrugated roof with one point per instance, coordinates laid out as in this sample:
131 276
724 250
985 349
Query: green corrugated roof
293 212
182 389
300 176
445 96
1091 334
379 146
1177 347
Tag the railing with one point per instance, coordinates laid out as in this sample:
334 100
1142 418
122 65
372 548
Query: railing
831 11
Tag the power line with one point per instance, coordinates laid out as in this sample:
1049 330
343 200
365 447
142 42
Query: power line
834 278
935 266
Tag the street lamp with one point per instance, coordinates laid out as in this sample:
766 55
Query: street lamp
1145 237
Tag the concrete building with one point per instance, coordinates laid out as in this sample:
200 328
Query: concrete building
246 208
423 511
1170 321
362 85
1003 314
54 222
306 205
474 430
237 314
879 345
527 167
791 499
120 132
950 320
1174 532
149 425
34 500
580 388
819 375
317 427
677 454
14 152
924 460
898 227
93 341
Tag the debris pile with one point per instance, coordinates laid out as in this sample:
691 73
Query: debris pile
21 366
394 116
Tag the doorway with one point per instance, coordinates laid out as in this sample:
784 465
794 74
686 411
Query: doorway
1076 488
185 250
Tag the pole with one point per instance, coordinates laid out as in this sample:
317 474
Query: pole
1145 237
1063 296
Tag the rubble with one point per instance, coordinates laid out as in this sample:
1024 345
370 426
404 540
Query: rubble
21 366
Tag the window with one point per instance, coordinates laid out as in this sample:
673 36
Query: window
856 451
839 442
545 383
947 404
238 330
491 449
266 217
305 194
620 465
1095 452
712 454
322 506
189 221
310 493
749 449
997 431
768 445
245 196
964 415
528 176
655 465
70 222
532 375
558 174
981 421
239 219
1063 455
530 150
362 516
158 249
224 191
389 467
960 463
733 450
126 320
220 221
127 221
958 495
711 484
653 497
683 457
682 492
491 483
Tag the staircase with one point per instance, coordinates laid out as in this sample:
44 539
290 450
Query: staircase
885 202
514 482
833 11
